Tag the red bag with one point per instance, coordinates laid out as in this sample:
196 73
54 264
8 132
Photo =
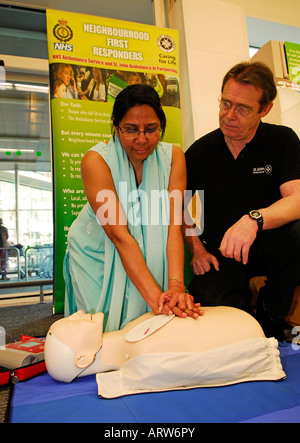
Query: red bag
8 376
21 360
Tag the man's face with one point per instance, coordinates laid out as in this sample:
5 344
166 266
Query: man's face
233 124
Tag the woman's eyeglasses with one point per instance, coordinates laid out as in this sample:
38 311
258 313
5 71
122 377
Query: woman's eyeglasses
133 132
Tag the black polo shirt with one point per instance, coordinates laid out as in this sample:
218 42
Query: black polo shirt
233 187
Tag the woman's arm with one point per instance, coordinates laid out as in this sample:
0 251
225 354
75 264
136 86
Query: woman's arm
179 299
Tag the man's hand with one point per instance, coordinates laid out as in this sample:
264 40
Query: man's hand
238 239
202 261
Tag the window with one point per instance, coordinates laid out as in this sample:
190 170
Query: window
25 168
252 51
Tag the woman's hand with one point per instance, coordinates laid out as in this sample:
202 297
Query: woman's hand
176 301
72 83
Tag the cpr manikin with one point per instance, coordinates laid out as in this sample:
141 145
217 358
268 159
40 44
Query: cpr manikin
75 346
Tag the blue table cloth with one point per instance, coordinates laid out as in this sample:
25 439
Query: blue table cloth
44 400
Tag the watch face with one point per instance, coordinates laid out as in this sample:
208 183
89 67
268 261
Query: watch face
255 214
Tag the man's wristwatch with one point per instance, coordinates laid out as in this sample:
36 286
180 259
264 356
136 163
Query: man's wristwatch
256 215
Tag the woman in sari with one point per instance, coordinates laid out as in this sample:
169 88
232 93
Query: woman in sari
125 252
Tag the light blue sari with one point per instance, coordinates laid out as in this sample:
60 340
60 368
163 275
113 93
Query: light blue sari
95 278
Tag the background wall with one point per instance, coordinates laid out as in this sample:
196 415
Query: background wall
286 12
213 38
215 35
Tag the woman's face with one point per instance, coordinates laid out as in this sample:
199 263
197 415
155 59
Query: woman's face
139 145
134 80
66 76
97 75
61 90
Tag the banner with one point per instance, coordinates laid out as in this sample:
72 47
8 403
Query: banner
292 51
91 59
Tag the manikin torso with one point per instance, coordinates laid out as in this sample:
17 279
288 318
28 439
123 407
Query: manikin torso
75 346
219 326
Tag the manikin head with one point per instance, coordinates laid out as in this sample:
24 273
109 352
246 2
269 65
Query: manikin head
72 346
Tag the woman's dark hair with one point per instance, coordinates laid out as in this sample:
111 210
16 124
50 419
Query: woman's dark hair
257 74
138 95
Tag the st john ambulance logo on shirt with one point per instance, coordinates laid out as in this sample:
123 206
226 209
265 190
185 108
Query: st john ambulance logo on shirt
263 170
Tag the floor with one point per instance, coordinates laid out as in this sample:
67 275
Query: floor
24 295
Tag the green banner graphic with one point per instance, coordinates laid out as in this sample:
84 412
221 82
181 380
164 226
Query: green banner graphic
292 51
91 59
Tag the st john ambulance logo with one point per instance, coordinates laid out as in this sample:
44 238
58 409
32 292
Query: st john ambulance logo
166 43
263 170
62 31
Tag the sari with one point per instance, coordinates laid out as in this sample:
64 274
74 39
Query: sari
95 277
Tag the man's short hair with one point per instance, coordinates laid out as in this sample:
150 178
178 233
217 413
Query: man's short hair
257 74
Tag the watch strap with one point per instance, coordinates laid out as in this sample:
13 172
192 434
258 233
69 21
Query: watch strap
256 215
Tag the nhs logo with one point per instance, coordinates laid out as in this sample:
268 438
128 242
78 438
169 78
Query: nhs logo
63 46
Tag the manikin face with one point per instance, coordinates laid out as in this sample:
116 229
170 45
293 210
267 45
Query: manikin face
234 126
82 333
139 146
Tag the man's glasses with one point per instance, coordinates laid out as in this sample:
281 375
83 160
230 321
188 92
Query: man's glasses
226 105
133 132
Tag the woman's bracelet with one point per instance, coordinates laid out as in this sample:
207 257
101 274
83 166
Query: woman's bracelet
177 279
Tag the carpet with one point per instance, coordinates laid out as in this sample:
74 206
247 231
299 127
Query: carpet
34 320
